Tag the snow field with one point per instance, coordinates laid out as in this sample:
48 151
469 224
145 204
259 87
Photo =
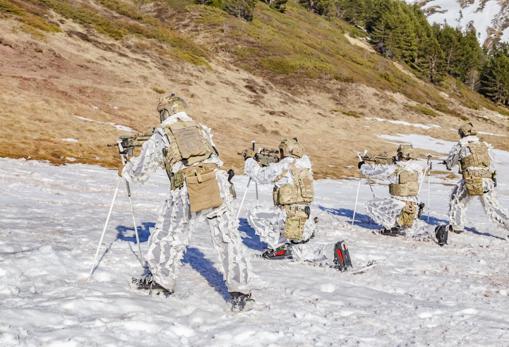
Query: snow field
419 294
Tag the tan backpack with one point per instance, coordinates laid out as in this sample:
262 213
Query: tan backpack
408 183
299 191
475 167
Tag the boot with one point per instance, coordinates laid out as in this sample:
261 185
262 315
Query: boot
394 231
282 252
441 233
421 209
148 283
240 301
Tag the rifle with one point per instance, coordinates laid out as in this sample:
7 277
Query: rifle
127 144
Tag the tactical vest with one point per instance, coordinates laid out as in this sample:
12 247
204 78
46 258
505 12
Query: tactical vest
299 191
187 144
408 183
475 167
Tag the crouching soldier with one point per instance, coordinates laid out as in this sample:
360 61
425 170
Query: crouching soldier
199 190
478 179
289 231
404 174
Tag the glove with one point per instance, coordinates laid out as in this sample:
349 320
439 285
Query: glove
248 153
359 165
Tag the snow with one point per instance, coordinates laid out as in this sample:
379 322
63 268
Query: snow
119 127
400 122
451 12
419 293
70 139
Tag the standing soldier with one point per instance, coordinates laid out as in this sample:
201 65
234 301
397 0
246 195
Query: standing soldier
404 173
290 230
199 190
478 179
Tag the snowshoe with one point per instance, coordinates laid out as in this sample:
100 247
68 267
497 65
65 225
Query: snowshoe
395 231
148 283
281 252
342 260
442 233
241 301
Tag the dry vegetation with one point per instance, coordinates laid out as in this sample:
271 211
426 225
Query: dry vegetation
71 70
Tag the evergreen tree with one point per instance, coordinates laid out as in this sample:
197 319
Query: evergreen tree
495 76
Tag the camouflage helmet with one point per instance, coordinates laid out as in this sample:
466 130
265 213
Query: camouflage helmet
405 152
290 147
169 105
466 129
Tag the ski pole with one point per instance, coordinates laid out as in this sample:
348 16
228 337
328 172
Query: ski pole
243 198
356 201
101 239
428 197
142 259
253 145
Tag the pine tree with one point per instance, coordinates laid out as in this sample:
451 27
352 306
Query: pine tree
495 76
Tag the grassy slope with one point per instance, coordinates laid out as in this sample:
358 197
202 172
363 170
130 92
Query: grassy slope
303 55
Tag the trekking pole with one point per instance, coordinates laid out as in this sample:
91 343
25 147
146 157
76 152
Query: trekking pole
243 198
136 233
356 201
101 239
124 152
253 144
429 188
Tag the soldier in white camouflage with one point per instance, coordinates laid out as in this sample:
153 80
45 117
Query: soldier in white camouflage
404 174
199 191
478 179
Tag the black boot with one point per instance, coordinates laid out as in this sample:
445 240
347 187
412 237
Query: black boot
442 234
282 252
394 231
148 283
240 301
421 210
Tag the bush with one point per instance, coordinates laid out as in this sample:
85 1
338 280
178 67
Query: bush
238 8
279 5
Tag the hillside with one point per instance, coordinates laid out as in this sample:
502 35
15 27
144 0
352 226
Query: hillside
77 74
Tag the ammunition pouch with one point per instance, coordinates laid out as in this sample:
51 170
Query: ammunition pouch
473 179
296 217
408 214
202 186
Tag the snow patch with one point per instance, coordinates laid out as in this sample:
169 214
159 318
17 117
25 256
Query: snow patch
117 126
400 122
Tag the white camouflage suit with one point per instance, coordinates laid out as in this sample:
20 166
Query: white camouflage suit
271 229
175 223
386 211
460 197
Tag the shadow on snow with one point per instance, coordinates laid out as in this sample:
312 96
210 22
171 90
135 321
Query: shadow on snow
192 256
362 220
250 238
